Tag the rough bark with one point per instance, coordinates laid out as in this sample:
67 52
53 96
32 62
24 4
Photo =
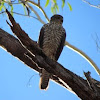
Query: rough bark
14 47
31 51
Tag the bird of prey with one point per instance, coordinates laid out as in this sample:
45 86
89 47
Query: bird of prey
51 41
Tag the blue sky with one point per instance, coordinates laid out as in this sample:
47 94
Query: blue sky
82 25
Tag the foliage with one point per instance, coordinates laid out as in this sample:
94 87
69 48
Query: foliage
70 7
1 5
10 3
55 7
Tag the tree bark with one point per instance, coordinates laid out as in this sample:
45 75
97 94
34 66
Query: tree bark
29 52
15 48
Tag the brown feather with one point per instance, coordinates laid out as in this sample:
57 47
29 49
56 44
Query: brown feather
51 40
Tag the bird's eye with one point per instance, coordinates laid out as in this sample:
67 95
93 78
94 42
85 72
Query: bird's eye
62 20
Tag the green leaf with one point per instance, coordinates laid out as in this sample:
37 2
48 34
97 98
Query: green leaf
52 9
47 2
57 7
63 3
1 6
54 1
12 10
70 7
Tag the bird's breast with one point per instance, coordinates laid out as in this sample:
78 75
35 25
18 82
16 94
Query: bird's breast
52 39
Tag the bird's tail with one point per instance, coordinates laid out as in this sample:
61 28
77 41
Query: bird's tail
44 79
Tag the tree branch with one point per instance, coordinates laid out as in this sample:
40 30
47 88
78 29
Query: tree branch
75 49
92 83
39 18
15 48
81 53
74 82
97 42
20 14
86 57
38 6
98 6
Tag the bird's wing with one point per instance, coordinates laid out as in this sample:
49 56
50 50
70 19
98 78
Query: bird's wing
41 36
61 45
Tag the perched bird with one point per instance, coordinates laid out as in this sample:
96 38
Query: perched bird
51 41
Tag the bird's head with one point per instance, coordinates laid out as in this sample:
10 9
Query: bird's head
57 19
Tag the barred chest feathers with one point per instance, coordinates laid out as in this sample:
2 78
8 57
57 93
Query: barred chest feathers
52 38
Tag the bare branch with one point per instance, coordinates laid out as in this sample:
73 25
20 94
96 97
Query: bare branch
97 41
20 14
92 83
73 47
11 3
76 83
39 2
66 43
32 9
86 57
95 6
39 18
14 47
38 6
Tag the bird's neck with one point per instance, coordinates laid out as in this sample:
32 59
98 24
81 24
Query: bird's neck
54 22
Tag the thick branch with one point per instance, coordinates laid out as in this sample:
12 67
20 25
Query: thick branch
81 53
76 83
14 47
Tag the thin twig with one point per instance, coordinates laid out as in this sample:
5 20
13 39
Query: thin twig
98 6
39 18
39 2
36 13
38 6
11 3
86 57
97 42
21 15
